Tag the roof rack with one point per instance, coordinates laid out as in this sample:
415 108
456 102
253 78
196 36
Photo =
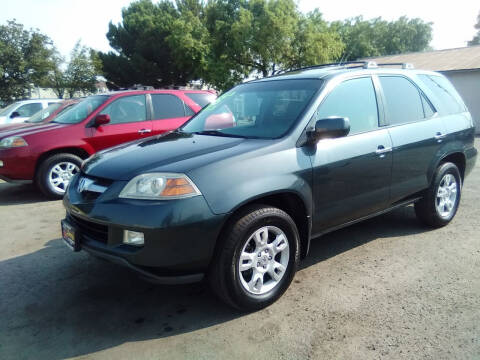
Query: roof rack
403 65
345 64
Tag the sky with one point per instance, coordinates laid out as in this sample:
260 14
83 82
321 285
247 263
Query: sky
66 21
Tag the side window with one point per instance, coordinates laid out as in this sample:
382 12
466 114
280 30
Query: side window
445 92
354 99
166 106
402 99
28 110
127 109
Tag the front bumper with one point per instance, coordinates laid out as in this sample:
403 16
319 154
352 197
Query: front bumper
18 165
180 235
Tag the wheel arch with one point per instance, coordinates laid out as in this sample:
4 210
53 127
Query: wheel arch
78 151
456 157
289 201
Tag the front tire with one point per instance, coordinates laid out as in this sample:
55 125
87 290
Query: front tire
54 174
257 258
440 203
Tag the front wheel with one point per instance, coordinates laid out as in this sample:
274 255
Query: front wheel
54 174
257 258
440 203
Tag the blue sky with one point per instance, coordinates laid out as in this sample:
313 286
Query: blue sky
66 21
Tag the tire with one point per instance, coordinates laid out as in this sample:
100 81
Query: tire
276 264
47 173
429 209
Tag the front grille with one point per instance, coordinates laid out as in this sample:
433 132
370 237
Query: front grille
95 187
93 230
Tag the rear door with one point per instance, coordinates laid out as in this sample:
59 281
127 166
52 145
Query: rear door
416 131
351 174
168 112
128 121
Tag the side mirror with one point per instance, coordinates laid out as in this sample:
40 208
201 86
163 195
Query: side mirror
329 128
101 119
14 114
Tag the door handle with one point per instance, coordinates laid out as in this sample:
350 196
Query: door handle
382 150
439 136
144 131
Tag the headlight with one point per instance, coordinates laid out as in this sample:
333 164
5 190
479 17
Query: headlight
159 186
13 141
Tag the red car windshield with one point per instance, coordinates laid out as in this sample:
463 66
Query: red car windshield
80 111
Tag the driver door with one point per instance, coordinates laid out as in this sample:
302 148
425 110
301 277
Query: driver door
128 122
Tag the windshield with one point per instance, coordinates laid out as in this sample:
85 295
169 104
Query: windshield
41 115
6 110
80 111
264 110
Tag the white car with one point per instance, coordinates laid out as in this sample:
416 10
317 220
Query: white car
22 110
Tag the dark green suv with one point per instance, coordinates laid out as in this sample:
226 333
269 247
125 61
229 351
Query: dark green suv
239 191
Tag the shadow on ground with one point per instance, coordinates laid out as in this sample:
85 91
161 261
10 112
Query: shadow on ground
15 194
56 304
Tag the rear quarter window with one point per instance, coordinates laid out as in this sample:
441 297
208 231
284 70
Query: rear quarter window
449 100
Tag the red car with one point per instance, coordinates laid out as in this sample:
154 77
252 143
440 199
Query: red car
50 154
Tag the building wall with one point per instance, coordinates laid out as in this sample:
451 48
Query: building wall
467 84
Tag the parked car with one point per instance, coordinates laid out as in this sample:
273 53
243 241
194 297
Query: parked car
50 154
312 151
20 111
43 116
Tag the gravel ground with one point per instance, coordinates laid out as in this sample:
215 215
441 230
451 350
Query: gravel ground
387 288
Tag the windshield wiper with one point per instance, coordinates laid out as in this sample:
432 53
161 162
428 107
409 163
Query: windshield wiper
216 133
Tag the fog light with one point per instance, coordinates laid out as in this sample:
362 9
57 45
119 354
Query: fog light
133 238
1 163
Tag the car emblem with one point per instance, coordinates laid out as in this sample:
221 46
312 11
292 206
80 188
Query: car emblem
84 184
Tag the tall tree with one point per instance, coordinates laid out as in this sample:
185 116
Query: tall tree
264 37
79 75
220 42
476 38
25 60
142 51
376 37
81 72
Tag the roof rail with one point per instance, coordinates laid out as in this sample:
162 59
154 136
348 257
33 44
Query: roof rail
403 65
342 65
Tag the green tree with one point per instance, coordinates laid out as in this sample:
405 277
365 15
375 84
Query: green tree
264 37
78 76
81 72
25 60
220 42
56 79
142 51
377 37
476 38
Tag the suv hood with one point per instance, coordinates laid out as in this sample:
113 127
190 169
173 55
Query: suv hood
25 129
173 152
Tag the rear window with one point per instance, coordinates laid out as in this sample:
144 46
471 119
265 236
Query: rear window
167 106
201 99
450 101
403 100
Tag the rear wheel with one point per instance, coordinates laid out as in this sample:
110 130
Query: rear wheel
54 174
257 259
440 203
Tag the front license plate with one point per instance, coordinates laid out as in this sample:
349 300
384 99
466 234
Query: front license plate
69 236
